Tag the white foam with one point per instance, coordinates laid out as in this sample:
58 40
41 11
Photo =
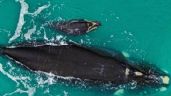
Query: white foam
163 89
51 75
46 91
125 54
16 91
21 22
50 80
13 77
111 36
45 36
8 75
24 11
59 37
81 41
117 18
4 30
119 92
30 92
10 71
39 10
66 93
165 71
29 33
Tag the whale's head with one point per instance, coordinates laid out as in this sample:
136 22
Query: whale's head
93 25
150 76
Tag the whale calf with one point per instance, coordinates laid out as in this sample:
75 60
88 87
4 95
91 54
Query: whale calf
84 63
74 26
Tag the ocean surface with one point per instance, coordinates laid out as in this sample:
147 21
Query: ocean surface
140 28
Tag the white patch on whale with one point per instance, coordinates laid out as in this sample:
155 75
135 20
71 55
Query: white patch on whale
165 79
66 93
138 73
127 72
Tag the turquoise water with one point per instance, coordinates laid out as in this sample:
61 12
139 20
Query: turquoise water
141 28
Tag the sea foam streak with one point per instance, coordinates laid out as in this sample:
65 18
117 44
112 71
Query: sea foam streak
7 74
39 10
18 80
30 92
30 32
24 82
24 11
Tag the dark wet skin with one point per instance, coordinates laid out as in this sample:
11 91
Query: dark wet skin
75 26
84 63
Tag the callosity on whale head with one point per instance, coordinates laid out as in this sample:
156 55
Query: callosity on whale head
92 25
148 75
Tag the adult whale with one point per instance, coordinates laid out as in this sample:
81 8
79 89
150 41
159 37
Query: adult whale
74 26
80 62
